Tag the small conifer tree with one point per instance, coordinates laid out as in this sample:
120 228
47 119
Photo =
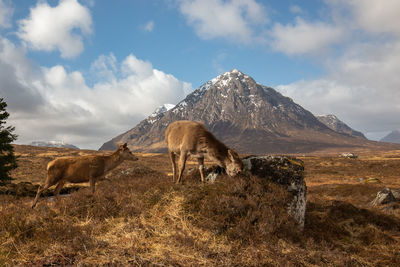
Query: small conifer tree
7 157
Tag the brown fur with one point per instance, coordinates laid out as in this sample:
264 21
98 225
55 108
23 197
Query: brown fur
190 138
82 169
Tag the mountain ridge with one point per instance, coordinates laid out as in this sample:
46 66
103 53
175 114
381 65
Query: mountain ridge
251 117
392 137
339 126
58 144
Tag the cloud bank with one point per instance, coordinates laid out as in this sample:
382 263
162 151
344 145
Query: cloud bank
304 37
6 12
51 103
361 84
54 104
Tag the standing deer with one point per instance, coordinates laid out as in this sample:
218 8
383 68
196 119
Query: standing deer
190 138
82 169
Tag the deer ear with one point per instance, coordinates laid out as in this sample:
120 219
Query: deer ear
231 155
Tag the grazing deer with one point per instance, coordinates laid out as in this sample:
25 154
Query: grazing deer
82 169
190 138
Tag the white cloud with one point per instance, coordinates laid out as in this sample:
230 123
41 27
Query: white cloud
304 37
362 87
234 20
56 28
54 104
364 108
371 15
6 12
149 26
134 66
104 68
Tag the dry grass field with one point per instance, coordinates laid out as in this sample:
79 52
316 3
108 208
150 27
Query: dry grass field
138 217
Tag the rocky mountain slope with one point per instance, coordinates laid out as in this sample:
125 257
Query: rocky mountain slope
393 137
339 126
248 116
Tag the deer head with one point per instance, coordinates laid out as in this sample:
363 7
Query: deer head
125 153
234 164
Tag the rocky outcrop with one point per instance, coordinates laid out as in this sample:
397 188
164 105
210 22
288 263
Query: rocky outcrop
285 171
396 194
348 155
383 197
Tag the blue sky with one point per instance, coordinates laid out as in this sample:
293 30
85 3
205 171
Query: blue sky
172 45
84 71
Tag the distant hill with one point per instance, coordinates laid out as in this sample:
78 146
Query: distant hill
59 144
339 126
248 116
393 137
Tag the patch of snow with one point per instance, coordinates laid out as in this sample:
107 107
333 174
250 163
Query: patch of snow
169 106
182 104
53 143
155 116
162 109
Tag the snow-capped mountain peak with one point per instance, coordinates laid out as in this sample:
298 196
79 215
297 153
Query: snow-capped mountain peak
162 109
159 112
53 143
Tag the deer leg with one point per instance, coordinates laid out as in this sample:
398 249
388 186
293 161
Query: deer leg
40 190
58 189
200 161
92 185
172 158
182 161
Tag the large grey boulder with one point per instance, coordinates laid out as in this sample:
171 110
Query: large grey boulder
396 194
383 197
285 171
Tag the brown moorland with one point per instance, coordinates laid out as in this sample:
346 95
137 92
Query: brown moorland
139 217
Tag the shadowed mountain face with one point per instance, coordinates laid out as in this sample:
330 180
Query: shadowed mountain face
393 137
245 115
337 125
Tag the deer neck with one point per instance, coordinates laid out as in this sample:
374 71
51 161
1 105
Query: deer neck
219 153
113 161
